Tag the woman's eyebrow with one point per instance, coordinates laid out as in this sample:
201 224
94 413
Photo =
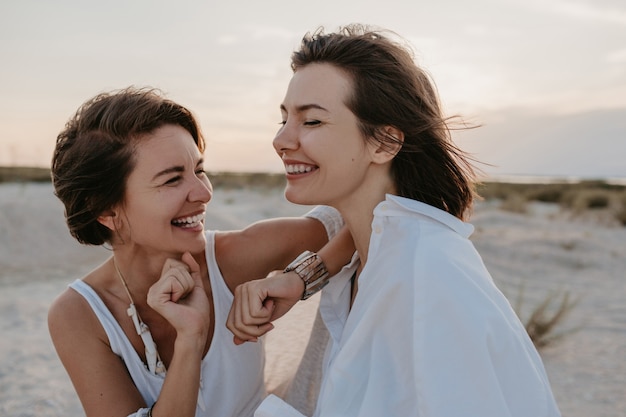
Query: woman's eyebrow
303 107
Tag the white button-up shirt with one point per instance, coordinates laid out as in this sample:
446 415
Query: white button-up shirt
429 334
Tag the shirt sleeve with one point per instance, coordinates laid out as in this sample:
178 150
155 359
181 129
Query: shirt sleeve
473 356
330 218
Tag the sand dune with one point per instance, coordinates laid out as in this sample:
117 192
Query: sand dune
542 252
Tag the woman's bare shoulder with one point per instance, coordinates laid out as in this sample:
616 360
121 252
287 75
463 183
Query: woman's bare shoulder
70 314
69 307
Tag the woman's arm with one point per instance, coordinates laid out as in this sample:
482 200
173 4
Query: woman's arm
338 251
179 297
98 375
259 302
269 245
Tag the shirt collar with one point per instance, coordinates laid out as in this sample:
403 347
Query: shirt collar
395 205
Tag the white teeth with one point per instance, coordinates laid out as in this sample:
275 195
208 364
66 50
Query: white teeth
189 220
298 169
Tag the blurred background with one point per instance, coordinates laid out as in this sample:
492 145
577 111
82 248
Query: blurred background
546 80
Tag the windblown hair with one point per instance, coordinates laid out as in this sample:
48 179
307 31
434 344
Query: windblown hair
94 154
389 89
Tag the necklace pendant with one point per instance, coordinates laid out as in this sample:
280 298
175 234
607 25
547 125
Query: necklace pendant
132 312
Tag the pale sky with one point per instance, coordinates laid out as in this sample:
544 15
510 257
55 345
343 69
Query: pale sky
545 78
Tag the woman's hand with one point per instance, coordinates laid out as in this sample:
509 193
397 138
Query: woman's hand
257 303
179 297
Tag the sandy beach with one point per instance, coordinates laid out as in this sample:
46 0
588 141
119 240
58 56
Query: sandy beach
542 252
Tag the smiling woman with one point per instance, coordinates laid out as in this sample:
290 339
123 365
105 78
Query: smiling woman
168 169
130 172
415 320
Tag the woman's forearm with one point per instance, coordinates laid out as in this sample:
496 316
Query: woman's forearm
179 395
338 251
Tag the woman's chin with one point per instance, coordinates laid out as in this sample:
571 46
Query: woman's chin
299 198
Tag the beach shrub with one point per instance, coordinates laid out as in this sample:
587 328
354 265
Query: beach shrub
596 199
620 212
568 245
544 319
24 174
490 191
244 180
515 203
549 193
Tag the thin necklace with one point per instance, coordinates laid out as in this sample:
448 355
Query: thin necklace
155 364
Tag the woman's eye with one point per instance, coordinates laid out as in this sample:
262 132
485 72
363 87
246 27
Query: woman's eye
282 122
312 123
172 180
200 171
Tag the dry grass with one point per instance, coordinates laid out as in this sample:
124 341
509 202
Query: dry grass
234 180
544 325
620 213
543 322
24 174
577 198
231 180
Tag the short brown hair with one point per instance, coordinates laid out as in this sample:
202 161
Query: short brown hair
94 154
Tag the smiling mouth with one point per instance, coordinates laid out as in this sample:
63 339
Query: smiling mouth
299 168
189 222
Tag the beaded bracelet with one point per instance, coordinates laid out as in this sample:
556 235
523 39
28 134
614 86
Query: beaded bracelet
311 269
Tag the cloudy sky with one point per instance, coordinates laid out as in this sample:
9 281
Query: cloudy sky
545 79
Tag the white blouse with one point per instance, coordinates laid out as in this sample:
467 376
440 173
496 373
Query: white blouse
429 334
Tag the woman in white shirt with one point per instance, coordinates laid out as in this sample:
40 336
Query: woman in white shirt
417 326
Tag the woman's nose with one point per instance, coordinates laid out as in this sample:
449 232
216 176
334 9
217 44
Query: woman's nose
202 190
285 139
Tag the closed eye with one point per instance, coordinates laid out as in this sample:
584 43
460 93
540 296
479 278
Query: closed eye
312 123
173 180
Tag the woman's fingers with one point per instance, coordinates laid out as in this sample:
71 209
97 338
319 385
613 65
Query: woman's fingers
180 298
179 281
176 280
250 313
194 268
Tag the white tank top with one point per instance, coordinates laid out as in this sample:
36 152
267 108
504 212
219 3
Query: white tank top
232 376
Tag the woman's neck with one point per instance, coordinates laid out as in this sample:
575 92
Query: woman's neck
138 270
360 225
359 215
357 210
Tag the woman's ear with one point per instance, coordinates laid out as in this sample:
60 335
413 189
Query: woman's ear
107 219
386 150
